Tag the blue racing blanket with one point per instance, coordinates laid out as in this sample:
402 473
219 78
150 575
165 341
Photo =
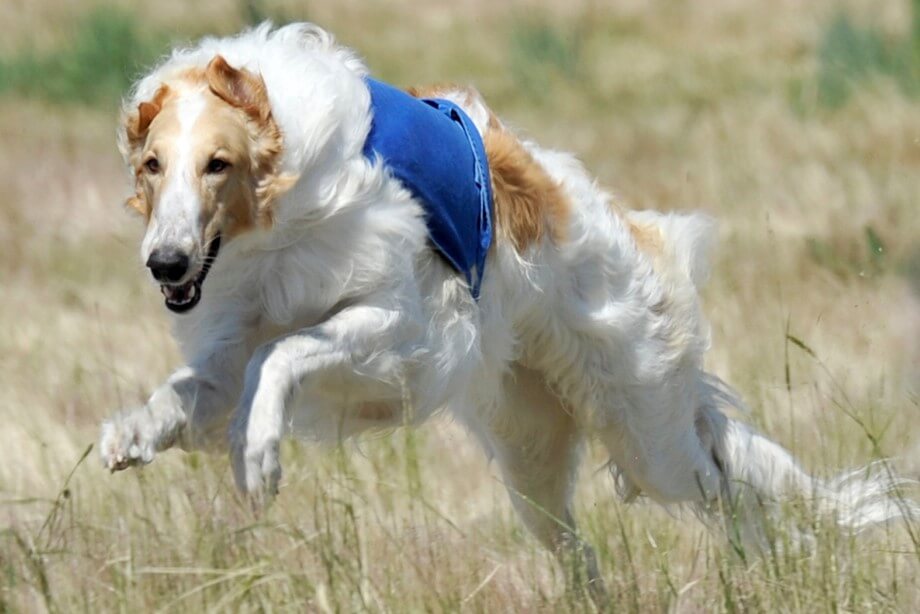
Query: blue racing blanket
432 147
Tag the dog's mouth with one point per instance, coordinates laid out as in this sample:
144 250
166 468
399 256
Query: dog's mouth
183 297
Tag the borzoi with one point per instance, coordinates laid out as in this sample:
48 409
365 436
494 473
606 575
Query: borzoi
324 287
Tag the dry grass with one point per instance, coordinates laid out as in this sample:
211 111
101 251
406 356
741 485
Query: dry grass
677 105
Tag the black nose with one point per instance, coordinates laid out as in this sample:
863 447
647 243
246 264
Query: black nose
167 265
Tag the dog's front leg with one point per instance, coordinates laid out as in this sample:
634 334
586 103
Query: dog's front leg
191 409
362 337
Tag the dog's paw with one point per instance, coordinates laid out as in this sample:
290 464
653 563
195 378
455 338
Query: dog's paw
128 439
256 467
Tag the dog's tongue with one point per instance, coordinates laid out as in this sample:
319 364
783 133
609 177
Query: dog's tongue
181 298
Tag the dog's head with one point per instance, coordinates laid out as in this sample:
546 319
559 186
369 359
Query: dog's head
205 152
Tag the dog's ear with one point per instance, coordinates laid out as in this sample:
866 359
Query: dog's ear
146 111
138 203
135 124
246 91
238 87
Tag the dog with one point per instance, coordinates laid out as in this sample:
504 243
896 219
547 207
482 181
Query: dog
315 293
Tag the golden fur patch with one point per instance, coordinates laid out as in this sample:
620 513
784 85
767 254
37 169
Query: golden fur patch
529 204
442 90
647 237
239 88
246 91
136 128
468 97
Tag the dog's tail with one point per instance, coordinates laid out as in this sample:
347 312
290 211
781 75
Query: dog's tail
760 476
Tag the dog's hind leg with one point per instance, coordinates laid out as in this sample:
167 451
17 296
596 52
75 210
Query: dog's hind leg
536 445
653 439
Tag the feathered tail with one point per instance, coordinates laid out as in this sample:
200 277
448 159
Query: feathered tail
760 475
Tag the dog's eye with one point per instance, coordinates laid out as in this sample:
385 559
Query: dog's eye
216 166
152 165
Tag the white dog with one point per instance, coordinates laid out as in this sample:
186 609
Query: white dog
331 306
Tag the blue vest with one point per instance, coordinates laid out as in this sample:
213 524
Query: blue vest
433 148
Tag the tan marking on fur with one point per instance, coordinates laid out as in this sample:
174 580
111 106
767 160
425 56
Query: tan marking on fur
146 111
138 202
529 204
439 90
494 122
470 97
648 238
246 91
240 88
195 74
139 124
136 127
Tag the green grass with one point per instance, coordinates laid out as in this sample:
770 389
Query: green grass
355 532
851 256
107 51
541 52
850 55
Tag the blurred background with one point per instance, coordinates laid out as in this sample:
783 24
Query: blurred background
795 124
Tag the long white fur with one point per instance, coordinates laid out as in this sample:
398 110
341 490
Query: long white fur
342 305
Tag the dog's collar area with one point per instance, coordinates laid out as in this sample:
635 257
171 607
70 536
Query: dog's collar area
181 298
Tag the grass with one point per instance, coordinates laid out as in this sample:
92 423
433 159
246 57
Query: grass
539 53
851 54
108 50
814 305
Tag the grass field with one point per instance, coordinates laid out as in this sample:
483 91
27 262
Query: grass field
795 124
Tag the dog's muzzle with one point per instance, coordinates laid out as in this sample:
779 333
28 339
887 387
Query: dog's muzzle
181 298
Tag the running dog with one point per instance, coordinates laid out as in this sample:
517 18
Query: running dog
343 256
